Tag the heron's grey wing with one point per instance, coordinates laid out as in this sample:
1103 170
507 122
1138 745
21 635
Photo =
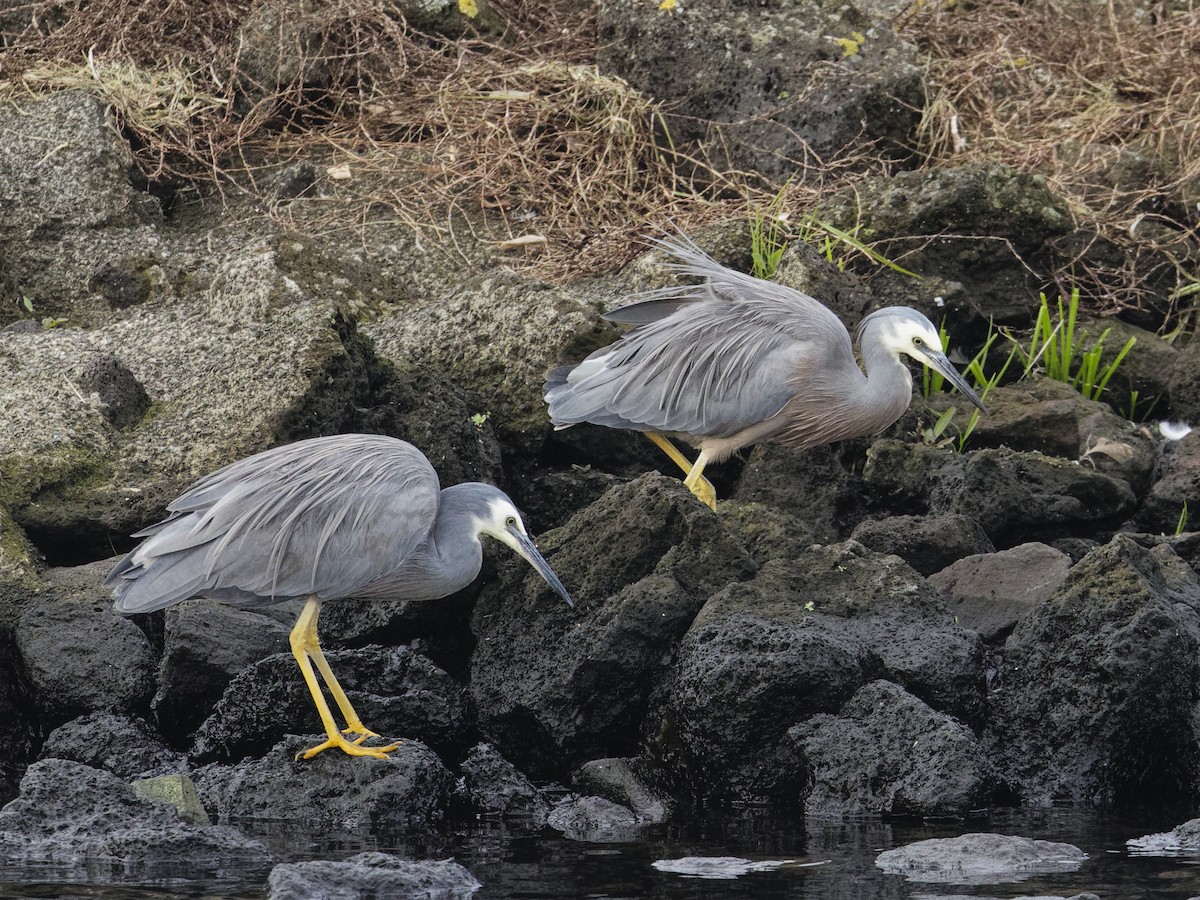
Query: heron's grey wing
723 359
324 516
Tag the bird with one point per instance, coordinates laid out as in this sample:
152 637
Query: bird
352 515
735 360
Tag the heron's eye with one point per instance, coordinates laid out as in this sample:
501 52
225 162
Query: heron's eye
918 342
510 521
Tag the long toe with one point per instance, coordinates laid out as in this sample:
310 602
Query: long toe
704 492
352 748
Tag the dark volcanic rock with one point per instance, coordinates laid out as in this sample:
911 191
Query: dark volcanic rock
991 591
980 859
618 780
594 819
887 753
774 82
796 641
78 655
204 646
398 693
556 685
1096 693
927 543
126 747
372 874
332 792
1176 488
73 815
491 784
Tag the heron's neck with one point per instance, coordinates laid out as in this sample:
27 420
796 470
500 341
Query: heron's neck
887 390
449 559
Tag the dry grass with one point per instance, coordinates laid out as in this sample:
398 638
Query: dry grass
1104 101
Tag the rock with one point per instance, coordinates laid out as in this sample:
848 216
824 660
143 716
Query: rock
205 645
555 686
19 560
19 730
372 874
1183 838
991 591
1185 384
927 543
496 336
77 817
1176 489
769 532
175 790
122 398
79 656
282 52
333 792
773 83
980 859
618 780
398 693
798 640
941 214
123 746
491 784
595 820
1094 696
887 753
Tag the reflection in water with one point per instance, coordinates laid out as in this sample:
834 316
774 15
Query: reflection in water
517 862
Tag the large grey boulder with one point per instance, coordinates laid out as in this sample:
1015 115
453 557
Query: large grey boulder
1094 698
556 685
82 819
126 747
797 641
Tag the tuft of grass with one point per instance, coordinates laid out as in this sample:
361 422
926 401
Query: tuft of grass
1057 348
767 237
1183 520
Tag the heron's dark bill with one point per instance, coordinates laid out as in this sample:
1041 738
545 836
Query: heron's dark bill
529 550
951 374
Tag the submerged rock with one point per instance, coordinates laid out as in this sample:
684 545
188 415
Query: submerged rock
372 874
73 815
491 784
1181 840
618 780
594 819
980 859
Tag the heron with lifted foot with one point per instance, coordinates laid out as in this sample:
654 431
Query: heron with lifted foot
734 360
354 515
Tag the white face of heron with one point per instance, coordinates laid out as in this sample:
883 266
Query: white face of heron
501 522
915 337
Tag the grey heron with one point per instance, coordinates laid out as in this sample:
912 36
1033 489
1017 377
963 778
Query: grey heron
353 515
735 360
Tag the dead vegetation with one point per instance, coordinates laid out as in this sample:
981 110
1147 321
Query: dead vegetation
513 128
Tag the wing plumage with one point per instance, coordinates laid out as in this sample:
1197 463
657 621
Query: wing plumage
325 516
708 359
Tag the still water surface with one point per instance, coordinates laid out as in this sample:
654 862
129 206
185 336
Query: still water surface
829 861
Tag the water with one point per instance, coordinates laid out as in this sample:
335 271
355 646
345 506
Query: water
828 860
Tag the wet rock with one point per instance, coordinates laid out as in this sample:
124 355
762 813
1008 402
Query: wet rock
775 82
408 791
980 859
75 816
991 591
927 543
618 780
798 640
77 655
594 819
887 753
118 744
397 692
372 874
491 784
555 685
205 645
1183 838
965 224
1176 488
1095 695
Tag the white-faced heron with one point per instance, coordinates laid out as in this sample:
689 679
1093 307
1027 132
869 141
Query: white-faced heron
735 360
354 515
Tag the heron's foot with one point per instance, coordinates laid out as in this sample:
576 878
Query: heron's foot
359 733
352 748
704 491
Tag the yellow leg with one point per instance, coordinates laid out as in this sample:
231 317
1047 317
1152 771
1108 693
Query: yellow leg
306 649
695 480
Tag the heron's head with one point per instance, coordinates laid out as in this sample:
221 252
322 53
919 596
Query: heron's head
905 331
502 521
